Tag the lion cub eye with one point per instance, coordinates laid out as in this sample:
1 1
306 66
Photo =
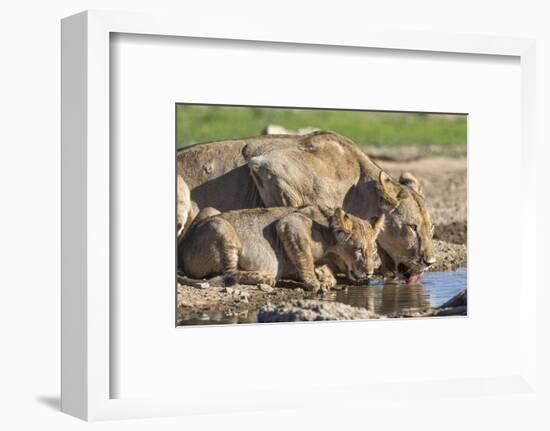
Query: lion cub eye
413 227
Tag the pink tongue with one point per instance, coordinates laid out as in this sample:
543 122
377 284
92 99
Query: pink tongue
414 278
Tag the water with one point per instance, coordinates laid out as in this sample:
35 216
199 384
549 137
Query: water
389 299
397 299
442 286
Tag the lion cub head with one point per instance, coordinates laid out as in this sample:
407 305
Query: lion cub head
356 242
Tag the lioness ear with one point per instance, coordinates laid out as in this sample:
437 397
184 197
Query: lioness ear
378 224
408 179
389 189
341 221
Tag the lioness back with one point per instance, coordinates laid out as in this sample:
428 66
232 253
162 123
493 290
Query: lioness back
217 173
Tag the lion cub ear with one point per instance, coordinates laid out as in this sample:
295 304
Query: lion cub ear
341 221
378 224
408 179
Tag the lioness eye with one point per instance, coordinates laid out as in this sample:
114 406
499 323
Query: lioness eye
413 227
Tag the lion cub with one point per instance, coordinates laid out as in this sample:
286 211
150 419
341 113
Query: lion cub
263 245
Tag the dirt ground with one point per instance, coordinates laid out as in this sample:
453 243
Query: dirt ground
233 304
444 184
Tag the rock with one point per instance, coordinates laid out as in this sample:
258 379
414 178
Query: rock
459 300
198 284
306 130
265 288
236 293
275 129
311 310
452 311
456 306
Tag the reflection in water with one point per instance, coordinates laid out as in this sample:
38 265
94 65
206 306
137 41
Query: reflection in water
442 286
217 317
397 299
390 299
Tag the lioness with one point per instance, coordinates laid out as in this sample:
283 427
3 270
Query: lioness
185 209
321 168
183 204
263 245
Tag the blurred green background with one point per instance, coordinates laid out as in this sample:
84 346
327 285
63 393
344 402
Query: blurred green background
201 123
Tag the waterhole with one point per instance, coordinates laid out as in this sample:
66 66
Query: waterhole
387 299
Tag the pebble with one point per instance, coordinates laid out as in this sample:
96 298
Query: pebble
265 288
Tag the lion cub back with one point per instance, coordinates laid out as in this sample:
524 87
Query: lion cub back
214 235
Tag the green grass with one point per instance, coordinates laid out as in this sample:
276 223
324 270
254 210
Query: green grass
199 123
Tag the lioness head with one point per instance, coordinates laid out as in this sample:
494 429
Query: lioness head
406 245
356 242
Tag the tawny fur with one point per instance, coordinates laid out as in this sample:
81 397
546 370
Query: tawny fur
185 211
321 168
263 245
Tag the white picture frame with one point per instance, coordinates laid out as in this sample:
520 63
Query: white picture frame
87 341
